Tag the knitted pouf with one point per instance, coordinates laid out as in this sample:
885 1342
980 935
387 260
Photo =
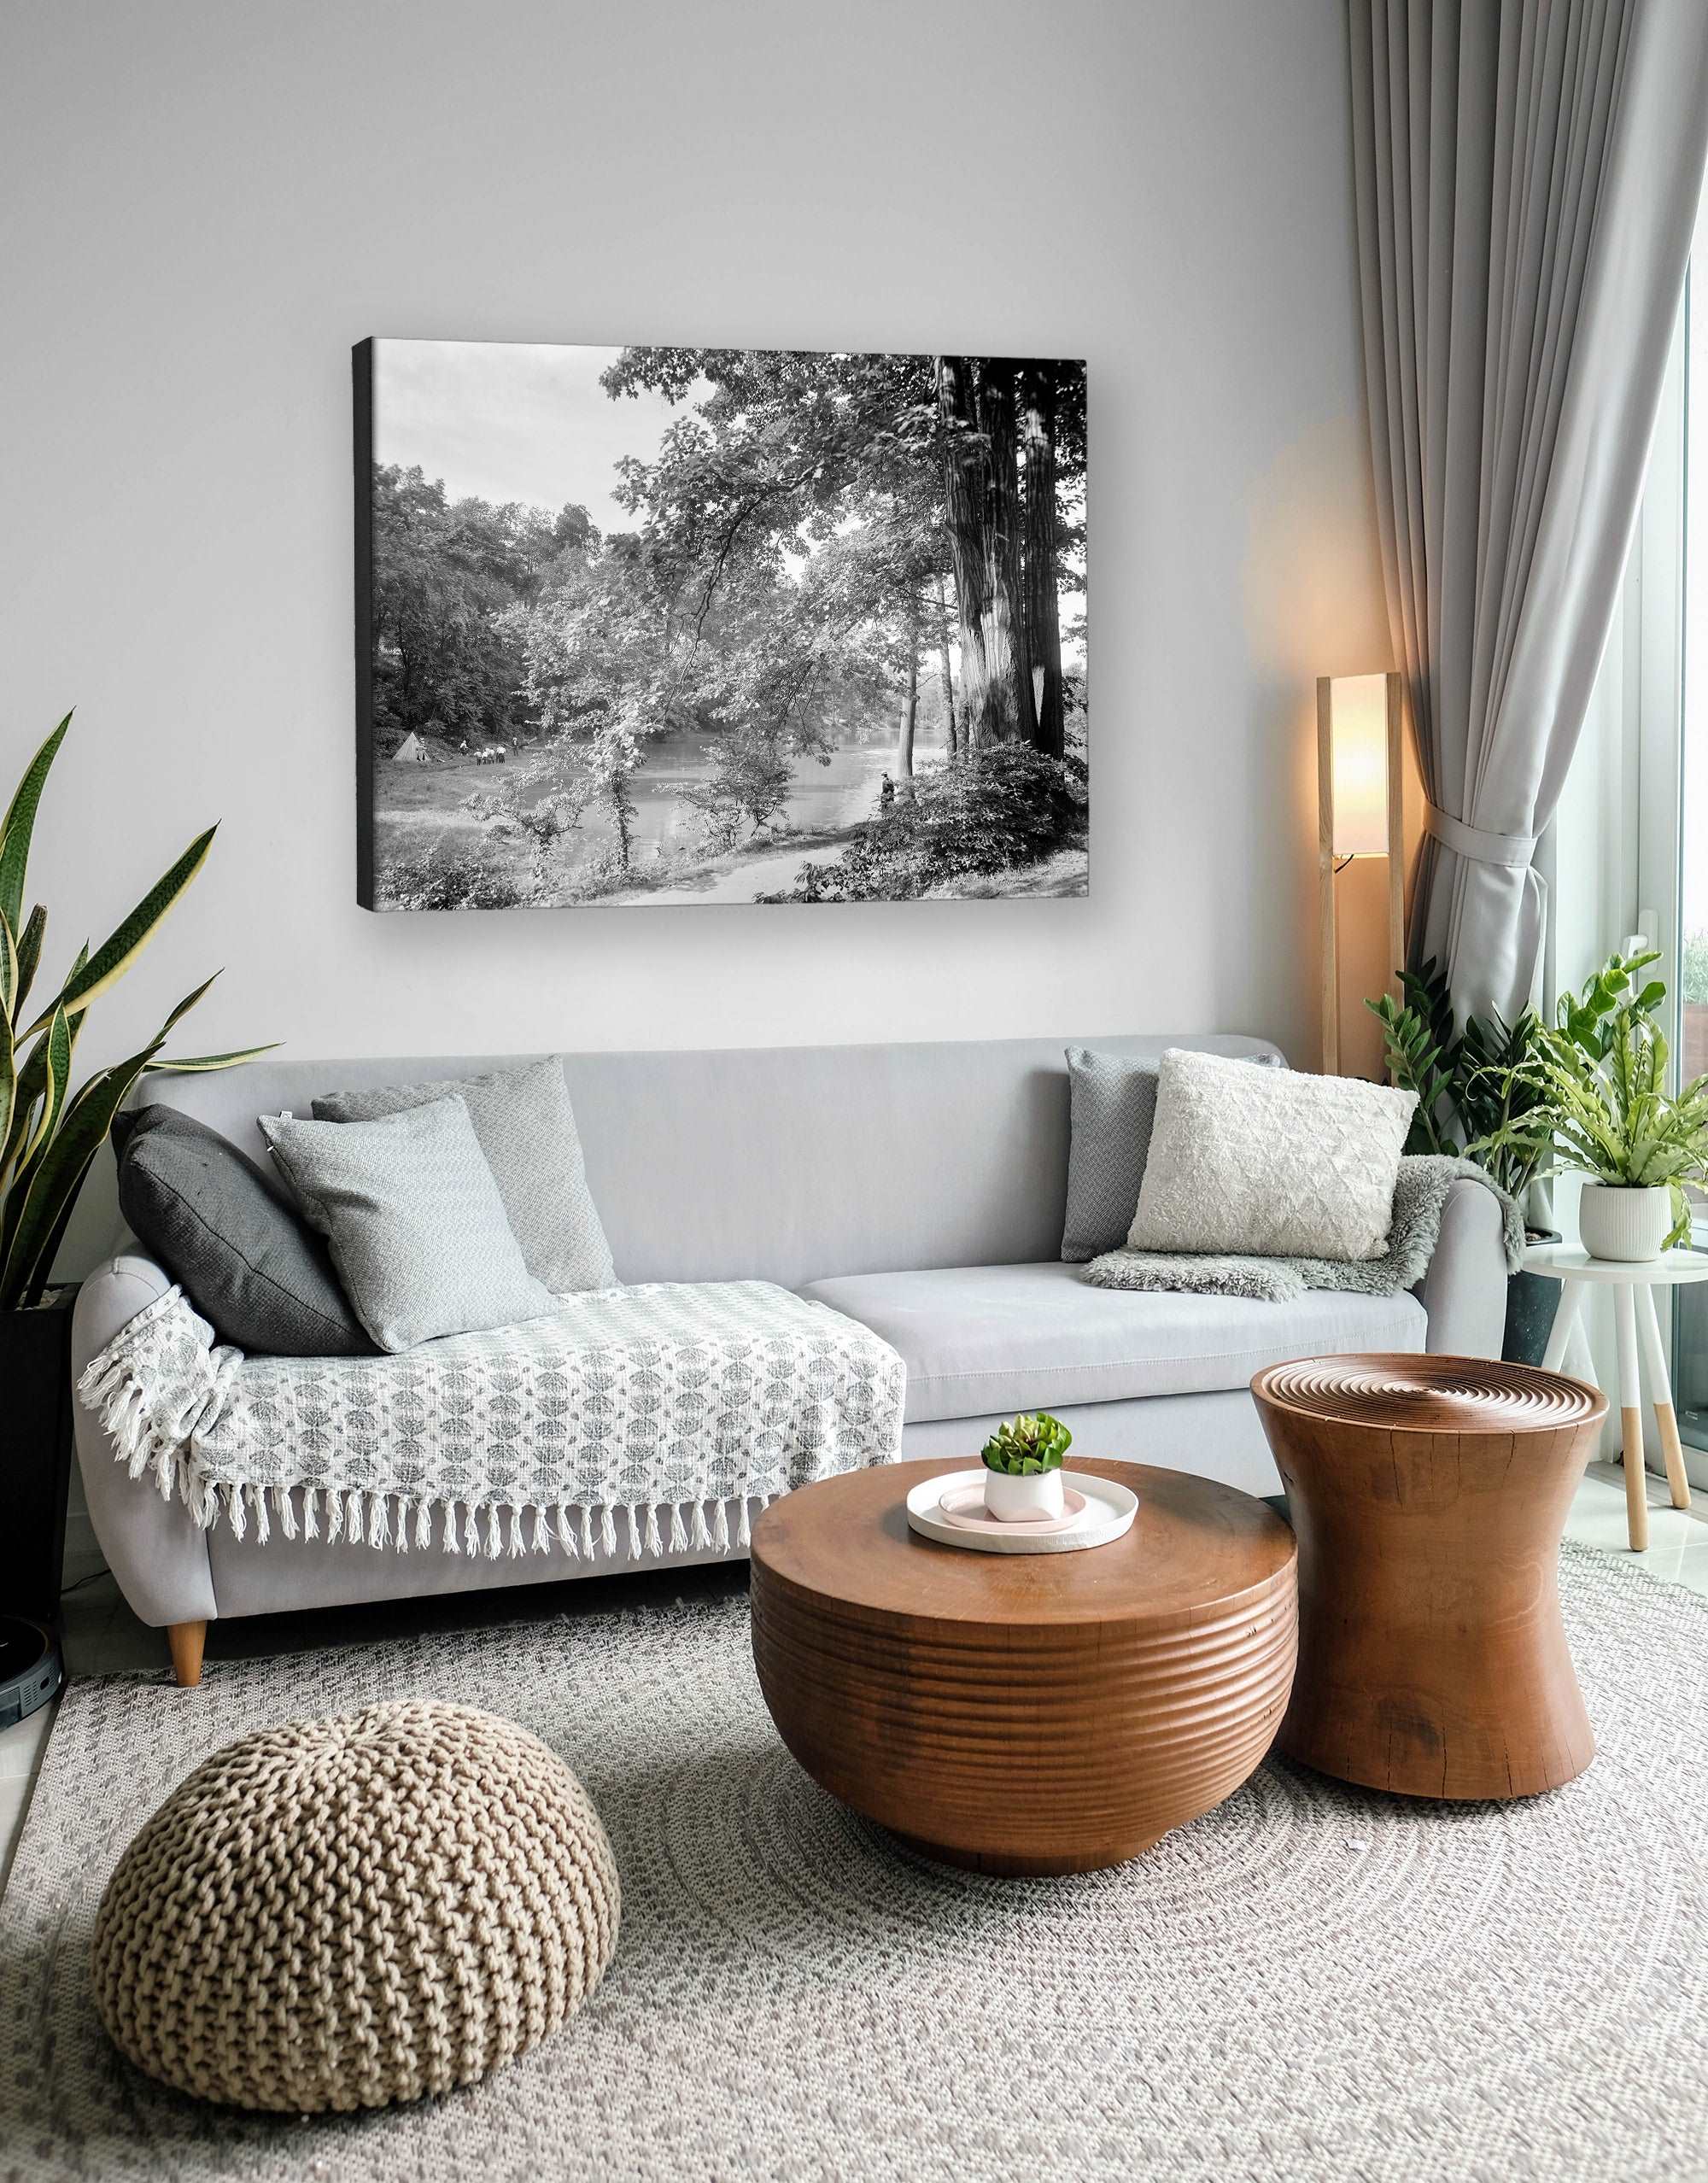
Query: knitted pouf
343 1913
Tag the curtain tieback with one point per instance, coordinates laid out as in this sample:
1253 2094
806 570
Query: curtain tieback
1477 843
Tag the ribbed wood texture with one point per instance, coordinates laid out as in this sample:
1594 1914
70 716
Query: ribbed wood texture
1429 1495
1035 1713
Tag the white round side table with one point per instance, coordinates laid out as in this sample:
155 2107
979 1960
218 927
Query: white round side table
1633 1284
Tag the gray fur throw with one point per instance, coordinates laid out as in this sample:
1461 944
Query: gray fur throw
1420 1200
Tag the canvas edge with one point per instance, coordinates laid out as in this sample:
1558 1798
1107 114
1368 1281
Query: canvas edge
361 381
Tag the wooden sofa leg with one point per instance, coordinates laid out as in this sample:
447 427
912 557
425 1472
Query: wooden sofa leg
185 1640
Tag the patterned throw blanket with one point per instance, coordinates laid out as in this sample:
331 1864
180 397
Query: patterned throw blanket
1420 1197
658 1404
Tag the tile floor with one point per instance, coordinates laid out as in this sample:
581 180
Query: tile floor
102 1636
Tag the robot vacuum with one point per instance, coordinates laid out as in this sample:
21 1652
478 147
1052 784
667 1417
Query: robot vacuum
31 1668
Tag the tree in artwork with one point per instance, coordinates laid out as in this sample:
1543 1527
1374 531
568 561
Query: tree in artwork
817 543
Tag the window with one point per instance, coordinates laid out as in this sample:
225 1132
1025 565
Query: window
1673 790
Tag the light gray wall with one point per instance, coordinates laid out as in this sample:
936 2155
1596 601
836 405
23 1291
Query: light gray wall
206 204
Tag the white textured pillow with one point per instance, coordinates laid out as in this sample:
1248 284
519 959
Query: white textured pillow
1269 1161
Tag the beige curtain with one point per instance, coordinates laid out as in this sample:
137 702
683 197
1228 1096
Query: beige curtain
1526 174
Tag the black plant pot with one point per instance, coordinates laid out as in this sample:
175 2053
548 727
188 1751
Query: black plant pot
35 1456
1532 1300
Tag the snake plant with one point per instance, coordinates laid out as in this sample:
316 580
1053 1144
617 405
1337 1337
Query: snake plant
1596 1081
1027 1446
48 1133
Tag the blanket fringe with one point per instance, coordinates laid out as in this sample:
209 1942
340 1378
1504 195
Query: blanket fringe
176 1404
111 1389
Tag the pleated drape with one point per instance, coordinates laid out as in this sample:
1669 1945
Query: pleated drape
1526 175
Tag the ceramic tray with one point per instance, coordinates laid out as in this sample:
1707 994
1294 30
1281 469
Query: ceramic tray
1108 1510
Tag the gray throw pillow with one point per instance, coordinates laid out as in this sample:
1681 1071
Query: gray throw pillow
526 1127
248 1262
1112 1110
1112 1103
417 1228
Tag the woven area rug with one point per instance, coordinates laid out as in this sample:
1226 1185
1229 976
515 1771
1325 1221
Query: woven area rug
1310 1982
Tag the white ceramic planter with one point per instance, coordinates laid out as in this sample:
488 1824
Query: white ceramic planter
1023 1500
1625 1224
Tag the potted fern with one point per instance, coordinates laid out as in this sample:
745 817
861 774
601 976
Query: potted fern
1023 1469
1474 1092
50 1134
1596 1081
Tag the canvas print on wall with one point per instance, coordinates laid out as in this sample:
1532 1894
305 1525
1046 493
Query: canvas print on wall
676 625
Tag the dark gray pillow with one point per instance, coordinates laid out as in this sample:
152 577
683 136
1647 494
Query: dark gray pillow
1111 1108
247 1262
1112 1105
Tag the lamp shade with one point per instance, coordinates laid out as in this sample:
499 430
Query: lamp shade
1358 713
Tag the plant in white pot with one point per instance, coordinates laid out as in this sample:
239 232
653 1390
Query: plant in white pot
1023 1469
50 1134
1603 1110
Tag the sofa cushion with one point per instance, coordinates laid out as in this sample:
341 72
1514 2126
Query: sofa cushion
1266 1163
417 1228
526 1127
1111 1102
979 1339
249 1263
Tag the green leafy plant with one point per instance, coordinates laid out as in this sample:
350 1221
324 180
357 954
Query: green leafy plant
1471 1083
48 1133
1027 1446
1597 1101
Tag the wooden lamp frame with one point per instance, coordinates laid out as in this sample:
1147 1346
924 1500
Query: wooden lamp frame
1326 867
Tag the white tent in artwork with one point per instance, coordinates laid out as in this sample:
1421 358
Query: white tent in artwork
412 749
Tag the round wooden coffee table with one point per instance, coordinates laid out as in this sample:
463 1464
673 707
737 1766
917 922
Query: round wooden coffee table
1429 1495
1026 1713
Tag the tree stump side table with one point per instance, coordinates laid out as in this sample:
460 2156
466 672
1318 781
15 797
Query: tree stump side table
1634 1283
1429 1495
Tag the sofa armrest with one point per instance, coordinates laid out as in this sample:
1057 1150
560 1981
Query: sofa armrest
157 1555
1464 1293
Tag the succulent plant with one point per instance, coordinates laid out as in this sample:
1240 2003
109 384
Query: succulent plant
1029 1445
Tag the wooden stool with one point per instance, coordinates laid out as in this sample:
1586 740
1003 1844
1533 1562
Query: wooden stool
1634 1283
1429 1495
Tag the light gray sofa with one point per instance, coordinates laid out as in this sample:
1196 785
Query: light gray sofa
919 1188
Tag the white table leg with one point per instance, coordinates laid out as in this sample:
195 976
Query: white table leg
1660 1394
1581 1358
1631 1420
1564 1320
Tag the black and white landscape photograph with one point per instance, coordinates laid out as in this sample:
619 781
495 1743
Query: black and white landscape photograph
677 625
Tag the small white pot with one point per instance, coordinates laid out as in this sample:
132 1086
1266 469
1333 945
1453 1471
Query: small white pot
1622 1224
1023 1500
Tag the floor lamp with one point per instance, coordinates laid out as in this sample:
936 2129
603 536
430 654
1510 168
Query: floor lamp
1360 797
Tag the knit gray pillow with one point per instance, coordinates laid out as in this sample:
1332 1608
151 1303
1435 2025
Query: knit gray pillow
1111 1108
1111 1102
526 1127
417 1228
